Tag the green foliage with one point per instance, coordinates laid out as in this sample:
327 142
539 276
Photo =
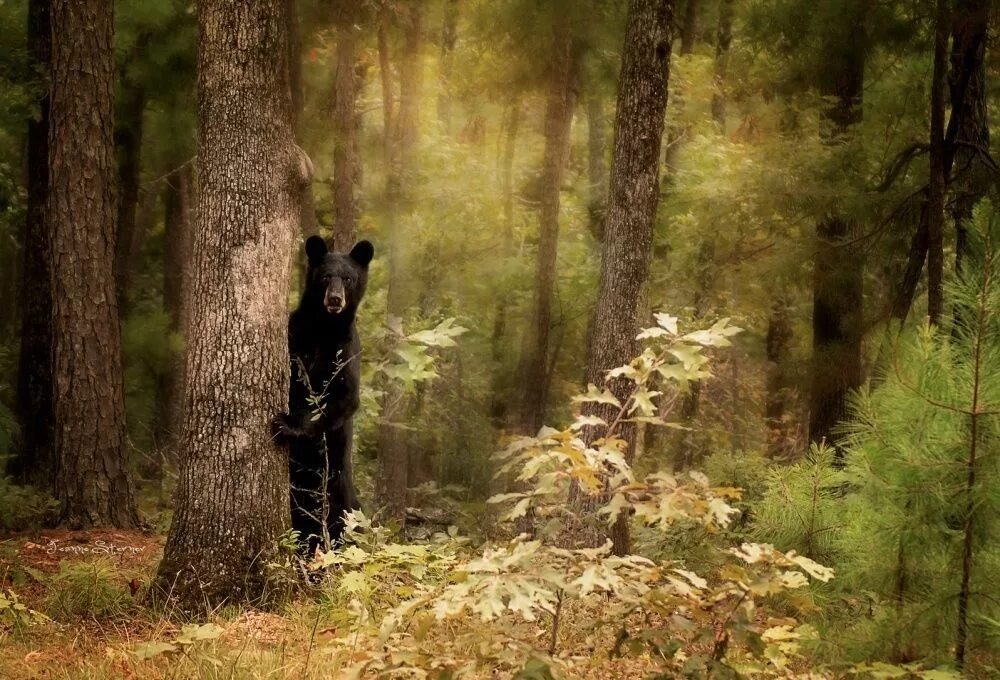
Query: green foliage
15 616
24 507
88 589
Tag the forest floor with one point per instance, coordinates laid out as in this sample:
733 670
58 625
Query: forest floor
90 584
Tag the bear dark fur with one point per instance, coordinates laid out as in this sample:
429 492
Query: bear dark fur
323 340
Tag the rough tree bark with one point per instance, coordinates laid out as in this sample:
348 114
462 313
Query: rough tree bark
232 504
558 121
838 268
345 130
35 463
392 480
92 481
632 202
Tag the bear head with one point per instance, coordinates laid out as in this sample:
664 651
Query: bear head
337 280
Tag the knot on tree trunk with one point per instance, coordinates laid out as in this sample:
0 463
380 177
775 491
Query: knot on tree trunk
300 168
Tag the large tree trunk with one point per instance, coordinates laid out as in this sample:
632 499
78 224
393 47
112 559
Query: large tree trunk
128 145
392 480
232 501
632 202
36 463
838 268
558 120
92 481
938 173
345 132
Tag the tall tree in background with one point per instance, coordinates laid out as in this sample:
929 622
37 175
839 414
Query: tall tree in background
131 106
92 481
36 462
346 123
404 129
632 201
723 42
534 373
308 223
837 265
938 174
231 504
449 36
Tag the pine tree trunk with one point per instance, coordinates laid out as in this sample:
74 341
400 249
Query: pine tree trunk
558 121
632 202
232 502
838 268
392 480
92 481
36 462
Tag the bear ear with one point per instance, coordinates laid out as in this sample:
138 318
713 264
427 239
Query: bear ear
363 252
316 249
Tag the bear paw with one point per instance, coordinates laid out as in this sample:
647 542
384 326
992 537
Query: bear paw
281 431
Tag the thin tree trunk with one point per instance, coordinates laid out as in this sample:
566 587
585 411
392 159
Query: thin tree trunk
498 403
689 28
388 98
558 121
778 345
632 202
449 36
309 225
723 41
936 184
688 451
176 257
392 481
93 485
596 167
128 144
36 463
345 131
232 502
968 132
838 268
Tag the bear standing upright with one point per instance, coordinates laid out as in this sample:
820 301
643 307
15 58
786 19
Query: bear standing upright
325 353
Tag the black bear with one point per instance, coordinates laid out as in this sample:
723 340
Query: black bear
325 350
